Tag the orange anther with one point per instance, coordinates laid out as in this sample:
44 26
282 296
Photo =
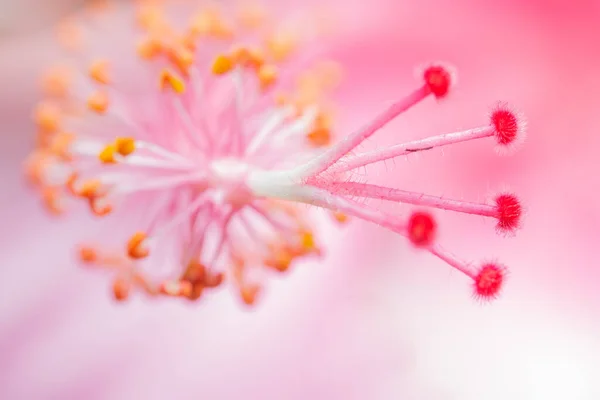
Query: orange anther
60 145
97 210
48 117
182 57
201 23
121 288
70 184
321 134
213 280
88 255
99 72
194 273
267 75
107 155
169 79
222 64
280 260
98 102
125 145
320 137
51 199
134 246
196 292
340 217
248 57
34 166
249 293
149 48
281 45
56 81
90 189
150 16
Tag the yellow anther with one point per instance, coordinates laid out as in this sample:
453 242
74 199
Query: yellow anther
281 45
90 189
307 241
125 146
107 155
267 75
222 64
170 80
47 116
98 102
56 82
99 72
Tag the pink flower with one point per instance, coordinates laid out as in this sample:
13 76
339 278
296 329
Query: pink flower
368 325
201 144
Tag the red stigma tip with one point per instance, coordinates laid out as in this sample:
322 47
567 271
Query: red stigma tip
509 212
421 229
506 125
438 80
488 281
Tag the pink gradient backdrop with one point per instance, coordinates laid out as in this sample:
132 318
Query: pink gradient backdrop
377 320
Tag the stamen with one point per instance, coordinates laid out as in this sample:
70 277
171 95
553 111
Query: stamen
121 289
98 102
125 146
99 72
57 81
267 75
88 255
222 64
48 117
135 248
169 79
107 155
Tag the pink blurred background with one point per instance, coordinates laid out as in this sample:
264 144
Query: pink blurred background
382 321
